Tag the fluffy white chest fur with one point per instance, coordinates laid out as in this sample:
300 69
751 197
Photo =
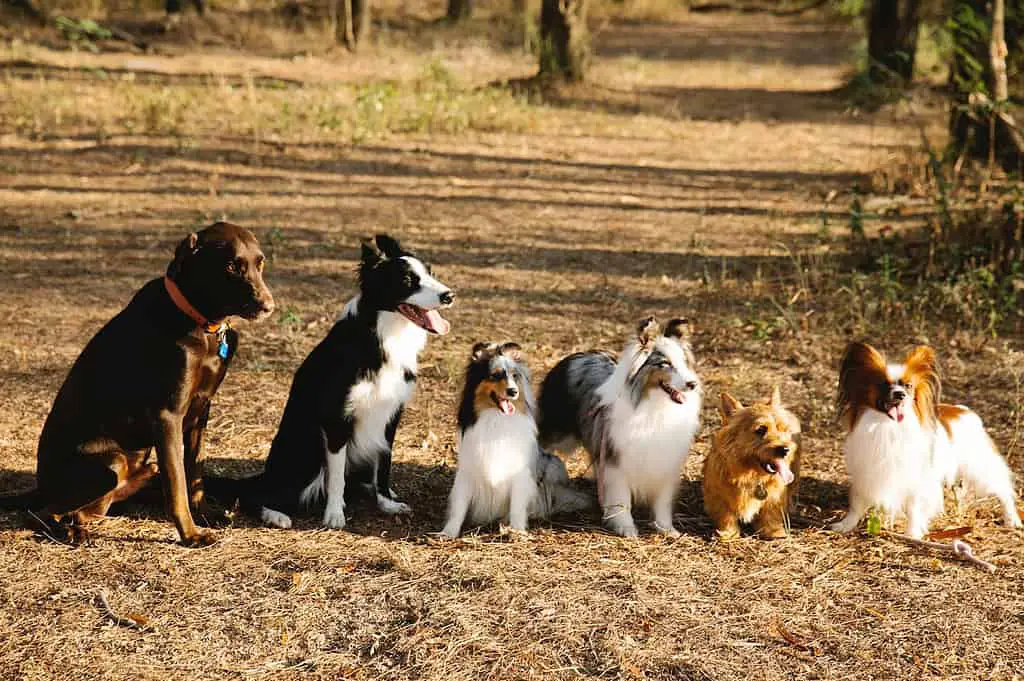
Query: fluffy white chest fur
892 463
372 403
652 440
497 454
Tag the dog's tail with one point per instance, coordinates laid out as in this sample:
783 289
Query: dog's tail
230 491
22 501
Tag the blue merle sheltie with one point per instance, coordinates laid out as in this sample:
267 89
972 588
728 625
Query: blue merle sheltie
636 416
503 475
348 395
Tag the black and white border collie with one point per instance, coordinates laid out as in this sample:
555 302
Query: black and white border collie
503 474
637 417
347 397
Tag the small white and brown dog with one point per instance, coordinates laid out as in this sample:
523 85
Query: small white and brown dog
503 474
903 446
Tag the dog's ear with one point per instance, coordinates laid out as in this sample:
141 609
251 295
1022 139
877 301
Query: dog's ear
647 331
389 246
483 349
513 351
678 329
730 405
186 249
775 400
369 253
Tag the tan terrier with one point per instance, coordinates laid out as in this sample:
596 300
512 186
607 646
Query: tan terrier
752 471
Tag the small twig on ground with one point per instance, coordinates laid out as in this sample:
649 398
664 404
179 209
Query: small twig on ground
131 622
959 549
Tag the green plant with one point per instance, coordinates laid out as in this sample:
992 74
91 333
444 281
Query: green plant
82 32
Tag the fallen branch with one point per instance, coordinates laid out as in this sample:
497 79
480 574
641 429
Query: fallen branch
958 549
131 621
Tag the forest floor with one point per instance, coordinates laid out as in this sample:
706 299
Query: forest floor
707 170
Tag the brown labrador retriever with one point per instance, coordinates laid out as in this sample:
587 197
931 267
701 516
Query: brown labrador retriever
146 380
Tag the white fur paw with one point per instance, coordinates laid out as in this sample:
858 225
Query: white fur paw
1013 520
334 518
449 533
845 526
275 518
392 507
669 531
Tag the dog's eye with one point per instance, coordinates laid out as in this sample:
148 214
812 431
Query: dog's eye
761 431
232 267
260 263
497 375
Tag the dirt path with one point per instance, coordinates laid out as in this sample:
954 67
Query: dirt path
705 174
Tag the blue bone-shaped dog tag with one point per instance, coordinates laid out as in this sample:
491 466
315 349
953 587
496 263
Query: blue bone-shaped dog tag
222 349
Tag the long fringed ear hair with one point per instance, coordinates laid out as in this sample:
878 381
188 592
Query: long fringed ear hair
861 370
923 366
647 330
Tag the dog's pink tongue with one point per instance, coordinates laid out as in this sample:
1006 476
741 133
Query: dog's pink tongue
784 471
896 413
436 323
507 407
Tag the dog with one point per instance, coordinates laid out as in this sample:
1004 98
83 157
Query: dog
347 397
903 446
753 468
636 416
146 380
503 474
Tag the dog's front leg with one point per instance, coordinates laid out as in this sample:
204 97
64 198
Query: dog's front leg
170 451
458 505
523 492
202 510
334 514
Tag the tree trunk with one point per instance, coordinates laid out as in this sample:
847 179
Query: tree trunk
892 40
27 8
175 6
352 26
981 123
564 40
459 10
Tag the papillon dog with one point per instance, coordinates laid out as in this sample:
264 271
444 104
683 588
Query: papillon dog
903 446
636 416
503 474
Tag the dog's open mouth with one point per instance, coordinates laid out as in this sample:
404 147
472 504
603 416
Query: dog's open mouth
673 393
895 412
431 320
780 468
504 404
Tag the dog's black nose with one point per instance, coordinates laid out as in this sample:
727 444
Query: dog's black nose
898 393
782 450
513 393
447 298
691 385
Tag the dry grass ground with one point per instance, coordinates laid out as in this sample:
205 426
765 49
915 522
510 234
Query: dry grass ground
708 174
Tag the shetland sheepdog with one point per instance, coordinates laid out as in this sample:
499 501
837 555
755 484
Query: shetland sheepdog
503 474
347 397
903 446
636 416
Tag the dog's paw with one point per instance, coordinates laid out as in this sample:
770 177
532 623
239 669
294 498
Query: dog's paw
628 531
198 539
392 507
276 519
670 532
846 525
335 518
450 532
